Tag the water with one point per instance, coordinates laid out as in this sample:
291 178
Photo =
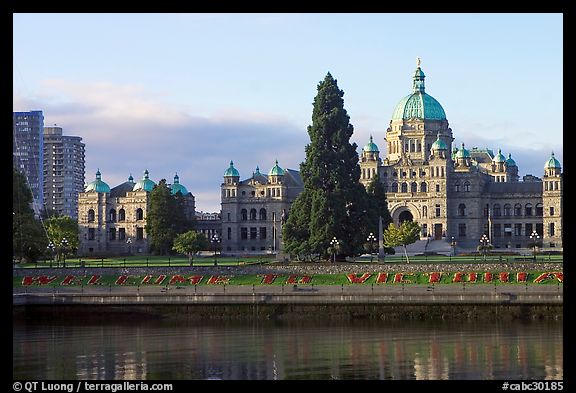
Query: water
173 350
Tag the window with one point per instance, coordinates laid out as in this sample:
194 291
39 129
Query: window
404 187
467 187
437 187
462 210
528 209
112 234
496 210
424 230
139 233
91 233
551 210
517 209
228 216
437 210
262 232
244 215
394 187
486 209
262 214
253 233
229 233
90 215
252 214
121 233
457 187
497 228
121 215
243 233
517 229
423 187
507 230
507 210
424 212
139 214
539 211
112 215
551 229
414 187
462 230
540 229
528 230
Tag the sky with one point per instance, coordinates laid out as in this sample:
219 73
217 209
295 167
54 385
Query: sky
188 93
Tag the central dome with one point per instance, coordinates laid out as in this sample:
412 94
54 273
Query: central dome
419 105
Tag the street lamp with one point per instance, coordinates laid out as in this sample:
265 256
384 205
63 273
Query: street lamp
534 236
334 245
484 241
215 240
51 247
453 245
64 244
129 242
371 239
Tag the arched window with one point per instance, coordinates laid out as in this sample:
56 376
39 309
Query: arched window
121 215
262 214
467 187
414 187
528 209
139 214
423 187
457 187
252 214
244 215
517 209
507 209
539 210
404 187
90 215
497 211
462 210
394 187
112 215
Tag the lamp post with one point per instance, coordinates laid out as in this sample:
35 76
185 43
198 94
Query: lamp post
129 242
51 248
64 245
371 239
334 245
484 245
215 240
534 236
453 245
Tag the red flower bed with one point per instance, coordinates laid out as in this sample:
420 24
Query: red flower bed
354 279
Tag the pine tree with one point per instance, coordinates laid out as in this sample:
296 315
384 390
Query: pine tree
166 219
333 202
378 205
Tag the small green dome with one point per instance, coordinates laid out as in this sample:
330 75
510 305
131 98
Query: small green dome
231 171
276 170
552 162
510 161
371 146
418 105
462 153
98 185
177 187
144 184
499 157
439 144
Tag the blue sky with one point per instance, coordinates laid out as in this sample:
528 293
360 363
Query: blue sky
187 93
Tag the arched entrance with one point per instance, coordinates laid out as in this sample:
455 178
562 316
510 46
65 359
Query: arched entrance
405 216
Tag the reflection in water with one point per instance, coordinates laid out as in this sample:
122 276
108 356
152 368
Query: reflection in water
187 350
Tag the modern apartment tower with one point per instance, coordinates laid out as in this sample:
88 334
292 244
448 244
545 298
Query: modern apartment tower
63 171
28 151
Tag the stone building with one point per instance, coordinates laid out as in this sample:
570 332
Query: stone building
112 221
253 209
460 193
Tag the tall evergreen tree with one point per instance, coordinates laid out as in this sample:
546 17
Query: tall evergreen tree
378 205
166 219
29 239
333 202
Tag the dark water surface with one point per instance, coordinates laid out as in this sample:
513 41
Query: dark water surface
146 350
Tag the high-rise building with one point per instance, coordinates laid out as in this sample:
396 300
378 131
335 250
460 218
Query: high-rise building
63 171
27 151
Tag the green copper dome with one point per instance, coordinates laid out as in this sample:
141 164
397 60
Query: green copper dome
419 105
552 162
371 146
144 184
510 161
439 144
98 185
499 157
462 153
177 187
231 171
276 170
